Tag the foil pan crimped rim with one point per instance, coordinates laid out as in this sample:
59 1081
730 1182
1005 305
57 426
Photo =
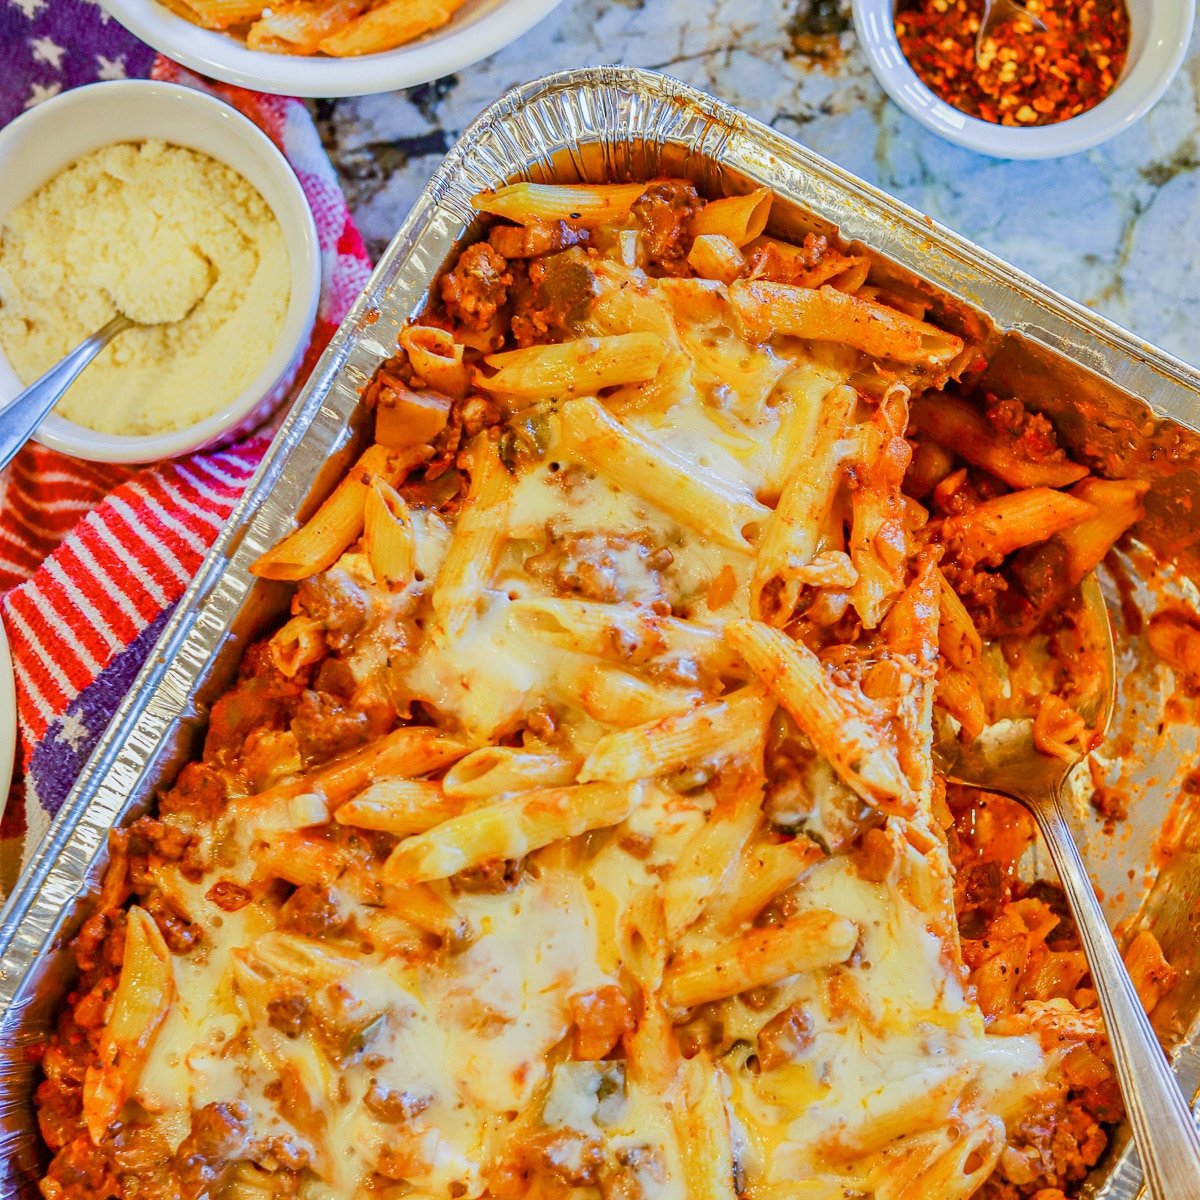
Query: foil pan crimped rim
596 122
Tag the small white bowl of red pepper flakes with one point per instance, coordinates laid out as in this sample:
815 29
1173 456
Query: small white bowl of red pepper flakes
1096 68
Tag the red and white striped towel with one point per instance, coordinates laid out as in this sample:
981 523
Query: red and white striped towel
93 557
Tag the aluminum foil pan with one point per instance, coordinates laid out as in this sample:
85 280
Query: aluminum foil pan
1126 406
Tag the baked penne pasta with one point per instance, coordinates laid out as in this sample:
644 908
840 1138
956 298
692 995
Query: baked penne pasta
321 540
491 770
826 314
724 728
582 367
622 633
391 24
991 530
300 28
805 942
477 538
703 502
791 534
739 218
221 14
436 357
579 204
399 806
388 536
576 832
716 256
140 1004
510 829
834 720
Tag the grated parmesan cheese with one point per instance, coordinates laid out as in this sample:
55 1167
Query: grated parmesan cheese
162 234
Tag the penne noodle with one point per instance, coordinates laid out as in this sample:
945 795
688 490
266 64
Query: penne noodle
582 204
299 28
303 958
958 639
399 806
910 632
702 1129
806 942
392 24
696 498
615 697
739 218
435 356
337 524
714 256
836 722
938 1163
724 729
825 314
581 367
425 909
890 1112
790 534
711 857
765 872
623 633
510 829
492 770
221 14
407 418
388 537
958 693
995 528
144 994
1048 573
298 644
878 541
480 532
408 751
800 400
299 858
959 426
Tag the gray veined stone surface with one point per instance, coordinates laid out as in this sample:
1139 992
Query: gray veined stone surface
1117 227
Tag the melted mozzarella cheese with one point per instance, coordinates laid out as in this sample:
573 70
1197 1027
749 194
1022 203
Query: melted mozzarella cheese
893 1049
471 1041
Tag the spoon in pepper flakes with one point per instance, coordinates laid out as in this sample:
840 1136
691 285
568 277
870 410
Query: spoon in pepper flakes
20 418
995 12
1005 759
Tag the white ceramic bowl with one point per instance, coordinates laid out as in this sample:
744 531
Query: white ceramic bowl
1159 33
478 29
45 140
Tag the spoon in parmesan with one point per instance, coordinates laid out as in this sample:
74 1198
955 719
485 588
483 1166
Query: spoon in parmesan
21 417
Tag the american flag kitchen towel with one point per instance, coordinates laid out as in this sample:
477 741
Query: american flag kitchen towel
93 557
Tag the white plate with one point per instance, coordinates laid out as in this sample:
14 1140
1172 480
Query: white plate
479 28
41 142
8 718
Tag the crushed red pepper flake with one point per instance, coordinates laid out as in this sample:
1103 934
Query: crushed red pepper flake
1024 76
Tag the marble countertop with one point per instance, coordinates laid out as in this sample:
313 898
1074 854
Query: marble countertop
1117 227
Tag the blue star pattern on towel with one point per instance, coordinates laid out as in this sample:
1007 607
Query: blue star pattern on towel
52 45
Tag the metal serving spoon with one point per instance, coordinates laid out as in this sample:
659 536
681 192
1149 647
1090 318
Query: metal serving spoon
1003 759
997 11
21 417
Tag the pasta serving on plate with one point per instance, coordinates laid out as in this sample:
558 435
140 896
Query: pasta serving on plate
338 28
578 835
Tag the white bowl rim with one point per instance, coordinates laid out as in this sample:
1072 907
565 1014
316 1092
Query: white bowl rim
57 432
1169 29
221 56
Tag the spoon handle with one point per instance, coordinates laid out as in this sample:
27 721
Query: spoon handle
21 417
1164 1129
